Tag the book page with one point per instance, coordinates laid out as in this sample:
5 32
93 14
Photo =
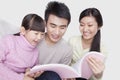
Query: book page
64 71
82 67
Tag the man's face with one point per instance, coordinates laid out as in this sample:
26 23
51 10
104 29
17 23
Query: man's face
56 27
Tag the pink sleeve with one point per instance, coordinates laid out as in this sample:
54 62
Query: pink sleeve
4 48
5 72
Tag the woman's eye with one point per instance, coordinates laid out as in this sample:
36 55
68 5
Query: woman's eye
81 25
62 27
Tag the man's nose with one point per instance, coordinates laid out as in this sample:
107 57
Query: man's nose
57 31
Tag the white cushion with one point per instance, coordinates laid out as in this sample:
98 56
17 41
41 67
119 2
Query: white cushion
7 28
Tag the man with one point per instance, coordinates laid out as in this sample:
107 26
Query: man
54 49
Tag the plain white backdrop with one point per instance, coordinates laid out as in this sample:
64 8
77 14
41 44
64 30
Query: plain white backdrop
13 11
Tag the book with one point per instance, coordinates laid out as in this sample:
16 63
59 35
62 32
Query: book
82 66
79 69
64 71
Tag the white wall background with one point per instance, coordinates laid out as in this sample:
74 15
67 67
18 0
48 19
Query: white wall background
13 11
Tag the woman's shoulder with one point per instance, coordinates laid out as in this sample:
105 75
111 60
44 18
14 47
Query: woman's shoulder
75 38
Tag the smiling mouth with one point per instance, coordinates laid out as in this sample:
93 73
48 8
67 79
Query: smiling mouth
86 33
36 42
55 37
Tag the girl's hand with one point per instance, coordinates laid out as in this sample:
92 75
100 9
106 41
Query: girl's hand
97 66
37 74
26 76
34 75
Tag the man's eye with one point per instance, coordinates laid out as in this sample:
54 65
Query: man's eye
53 26
62 27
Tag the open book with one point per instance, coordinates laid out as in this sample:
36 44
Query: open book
82 66
79 69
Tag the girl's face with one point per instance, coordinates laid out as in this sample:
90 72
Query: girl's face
33 37
88 27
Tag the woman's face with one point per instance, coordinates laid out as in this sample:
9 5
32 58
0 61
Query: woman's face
88 27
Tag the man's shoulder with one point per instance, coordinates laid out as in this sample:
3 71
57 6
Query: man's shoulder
65 48
64 44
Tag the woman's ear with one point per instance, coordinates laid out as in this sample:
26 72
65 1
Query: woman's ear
22 30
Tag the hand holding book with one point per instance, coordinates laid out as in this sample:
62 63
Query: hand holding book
82 66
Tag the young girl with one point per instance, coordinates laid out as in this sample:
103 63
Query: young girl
19 51
90 24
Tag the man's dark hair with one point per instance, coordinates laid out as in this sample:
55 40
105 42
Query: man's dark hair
58 9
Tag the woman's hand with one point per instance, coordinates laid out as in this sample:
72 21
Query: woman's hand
97 66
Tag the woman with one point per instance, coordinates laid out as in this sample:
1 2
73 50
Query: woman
90 24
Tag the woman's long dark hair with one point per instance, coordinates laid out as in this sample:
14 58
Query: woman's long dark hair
95 46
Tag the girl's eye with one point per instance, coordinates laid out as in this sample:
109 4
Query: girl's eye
42 34
36 33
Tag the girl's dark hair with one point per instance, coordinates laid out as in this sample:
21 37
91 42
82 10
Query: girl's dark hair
33 22
95 46
58 9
